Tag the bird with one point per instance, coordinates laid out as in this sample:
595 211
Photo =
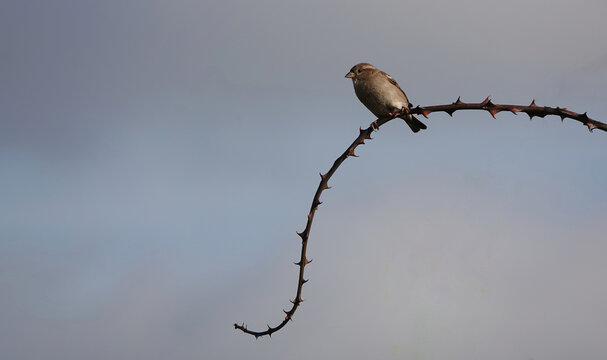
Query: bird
380 93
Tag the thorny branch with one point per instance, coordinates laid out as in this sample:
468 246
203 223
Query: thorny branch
365 134
531 110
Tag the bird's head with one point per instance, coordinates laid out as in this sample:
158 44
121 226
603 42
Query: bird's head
360 70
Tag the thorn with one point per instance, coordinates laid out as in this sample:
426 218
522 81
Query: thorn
514 111
585 117
562 117
256 336
486 101
297 263
308 261
490 103
362 131
325 187
458 101
493 112
425 113
533 103
303 281
302 234
351 153
323 176
450 112
591 126
530 116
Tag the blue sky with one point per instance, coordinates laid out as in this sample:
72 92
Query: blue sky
156 159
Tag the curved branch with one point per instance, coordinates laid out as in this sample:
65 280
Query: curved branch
303 260
365 134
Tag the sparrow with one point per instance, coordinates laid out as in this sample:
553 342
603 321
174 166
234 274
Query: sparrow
380 93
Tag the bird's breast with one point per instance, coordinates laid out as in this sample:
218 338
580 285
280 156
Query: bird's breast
379 97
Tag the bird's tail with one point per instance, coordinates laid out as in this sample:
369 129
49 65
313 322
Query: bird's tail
414 123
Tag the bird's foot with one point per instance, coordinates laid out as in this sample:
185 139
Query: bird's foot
374 126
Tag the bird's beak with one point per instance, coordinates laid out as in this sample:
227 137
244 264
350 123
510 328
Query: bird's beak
350 75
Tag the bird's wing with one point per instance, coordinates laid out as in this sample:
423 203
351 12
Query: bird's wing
393 82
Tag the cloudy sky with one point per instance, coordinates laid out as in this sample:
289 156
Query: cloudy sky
157 158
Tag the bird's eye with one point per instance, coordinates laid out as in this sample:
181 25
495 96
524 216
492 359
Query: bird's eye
358 71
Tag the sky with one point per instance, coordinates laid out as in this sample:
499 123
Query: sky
157 158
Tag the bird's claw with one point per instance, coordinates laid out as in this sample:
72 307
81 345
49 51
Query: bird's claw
374 126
